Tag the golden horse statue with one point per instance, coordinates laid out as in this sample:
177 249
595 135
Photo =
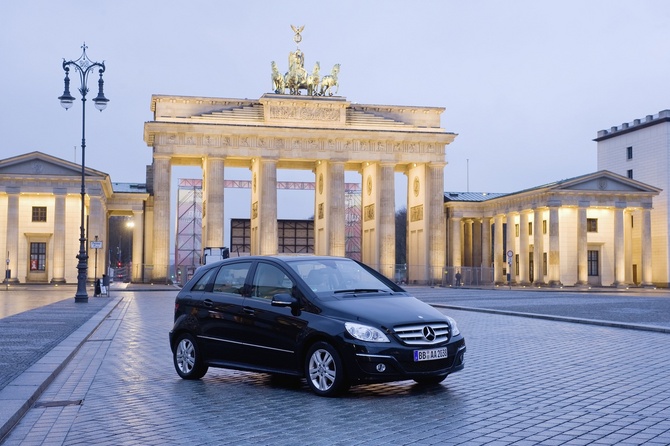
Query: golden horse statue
313 80
277 79
329 81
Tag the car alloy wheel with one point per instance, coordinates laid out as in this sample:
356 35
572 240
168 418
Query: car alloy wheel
324 370
187 358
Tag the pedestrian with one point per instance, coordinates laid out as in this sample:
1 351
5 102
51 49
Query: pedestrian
105 284
458 278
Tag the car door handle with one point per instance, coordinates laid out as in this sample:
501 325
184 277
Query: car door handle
208 303
249 310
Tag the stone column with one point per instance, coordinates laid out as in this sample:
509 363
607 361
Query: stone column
212 199
619 246
476 243
582 246
498 259
456 246
524 249
538 248
511 246
436 224
645 226
161 235
554 267
387 220
329 209
486 242
264 207
13 233
97 226
59 235
138 237
336 208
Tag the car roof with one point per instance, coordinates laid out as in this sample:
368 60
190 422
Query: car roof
285 258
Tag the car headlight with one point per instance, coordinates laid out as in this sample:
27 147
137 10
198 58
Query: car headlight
454 327
365 332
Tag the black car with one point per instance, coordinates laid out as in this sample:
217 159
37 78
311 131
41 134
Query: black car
332 320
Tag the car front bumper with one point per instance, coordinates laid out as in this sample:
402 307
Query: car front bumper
371 363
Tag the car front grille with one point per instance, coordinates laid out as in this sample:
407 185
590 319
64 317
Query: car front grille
423 334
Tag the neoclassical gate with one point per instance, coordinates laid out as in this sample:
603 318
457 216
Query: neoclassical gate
319 132
326 135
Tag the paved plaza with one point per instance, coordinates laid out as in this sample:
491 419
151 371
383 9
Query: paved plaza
543 367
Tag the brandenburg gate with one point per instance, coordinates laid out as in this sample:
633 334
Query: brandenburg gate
316 131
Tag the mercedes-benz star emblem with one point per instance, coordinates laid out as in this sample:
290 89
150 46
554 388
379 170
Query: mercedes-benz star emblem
428 333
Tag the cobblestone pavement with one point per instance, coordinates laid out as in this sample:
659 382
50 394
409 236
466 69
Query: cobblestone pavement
527 381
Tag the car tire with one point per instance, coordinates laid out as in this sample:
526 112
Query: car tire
430 380
324 370
187 358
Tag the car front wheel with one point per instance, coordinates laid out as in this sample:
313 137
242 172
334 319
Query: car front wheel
187 358
324 370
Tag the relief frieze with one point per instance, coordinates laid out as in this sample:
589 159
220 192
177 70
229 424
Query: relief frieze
416 213
369 212
303 113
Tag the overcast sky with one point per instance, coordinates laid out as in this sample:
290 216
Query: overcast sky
526 84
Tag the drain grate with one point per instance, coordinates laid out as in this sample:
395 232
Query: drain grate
58 403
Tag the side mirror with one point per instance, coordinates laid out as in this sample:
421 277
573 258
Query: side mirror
284 300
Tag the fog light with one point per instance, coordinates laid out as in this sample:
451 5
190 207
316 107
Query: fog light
381 368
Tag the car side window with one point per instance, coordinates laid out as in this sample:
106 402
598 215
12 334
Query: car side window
270 280
201 284
230 278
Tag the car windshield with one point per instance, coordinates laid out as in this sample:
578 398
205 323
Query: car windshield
339 276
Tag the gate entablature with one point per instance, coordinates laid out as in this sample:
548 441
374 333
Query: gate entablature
297 128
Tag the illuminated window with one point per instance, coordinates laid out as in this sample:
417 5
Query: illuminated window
39 213
38 256
593 266
591 225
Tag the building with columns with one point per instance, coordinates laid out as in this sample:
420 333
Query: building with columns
591 230
40 217
641 150
326 135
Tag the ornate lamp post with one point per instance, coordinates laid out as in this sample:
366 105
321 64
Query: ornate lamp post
83 66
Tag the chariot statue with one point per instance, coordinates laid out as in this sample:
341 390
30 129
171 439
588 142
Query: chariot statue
297 78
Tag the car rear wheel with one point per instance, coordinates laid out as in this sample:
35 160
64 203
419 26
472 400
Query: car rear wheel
324 370
187 358
430 380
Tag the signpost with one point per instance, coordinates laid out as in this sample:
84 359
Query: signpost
96 244
510 254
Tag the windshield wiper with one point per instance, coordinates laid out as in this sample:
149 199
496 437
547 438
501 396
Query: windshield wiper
361 290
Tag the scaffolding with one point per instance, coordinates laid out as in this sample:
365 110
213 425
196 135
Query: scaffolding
188 243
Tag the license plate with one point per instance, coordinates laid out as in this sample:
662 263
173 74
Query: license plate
430 355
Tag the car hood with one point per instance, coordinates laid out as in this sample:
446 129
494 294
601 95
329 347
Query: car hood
385 310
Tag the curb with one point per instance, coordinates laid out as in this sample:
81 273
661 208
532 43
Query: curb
20 394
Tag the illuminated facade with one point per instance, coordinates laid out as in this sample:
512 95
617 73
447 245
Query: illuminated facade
40 204
591 230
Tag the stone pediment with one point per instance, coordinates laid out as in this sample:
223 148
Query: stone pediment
41 164
603 181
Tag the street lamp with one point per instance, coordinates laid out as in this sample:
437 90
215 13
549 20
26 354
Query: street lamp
83 66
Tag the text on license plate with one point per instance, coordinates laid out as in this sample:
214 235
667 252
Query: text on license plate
430 355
